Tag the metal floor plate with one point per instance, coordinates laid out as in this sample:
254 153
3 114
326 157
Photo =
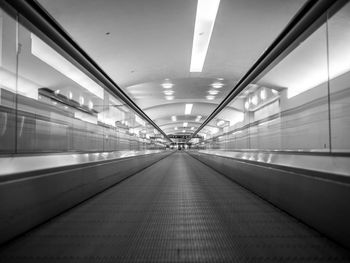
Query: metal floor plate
177 210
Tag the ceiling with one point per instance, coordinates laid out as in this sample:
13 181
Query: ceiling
141 44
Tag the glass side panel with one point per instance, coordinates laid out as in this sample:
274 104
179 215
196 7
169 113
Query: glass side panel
8 83
339 74
301 101
49 103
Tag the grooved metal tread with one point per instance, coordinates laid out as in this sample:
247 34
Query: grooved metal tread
177 210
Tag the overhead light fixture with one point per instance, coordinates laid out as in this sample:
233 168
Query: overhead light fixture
220 123
173 118
70 95
217 85
263 94
205 19
199 117
169 97
168 92
255 100
175 128
185 124
167 84
91 104
213 92
192 128
81 100
246 105
188 109
210 97
183 130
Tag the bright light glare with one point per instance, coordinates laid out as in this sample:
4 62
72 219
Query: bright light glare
81 100
168 92
217 85
213 92
263 94
205 19
199 117
220 123
167 85
169 97
48 55
173 118
192 128
255 100
91 104
185 124
210 97
188 109
183 130
175 128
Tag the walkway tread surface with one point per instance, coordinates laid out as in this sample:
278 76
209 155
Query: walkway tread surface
177 210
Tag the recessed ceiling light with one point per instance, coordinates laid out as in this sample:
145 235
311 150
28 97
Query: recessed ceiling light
183 130
246 105
255 100
213 92
175 128
167 85
275 92
217 85
199 117
188 109
169 97
91 104
168 92
220 123
81 100
185 124
210 97
192 128
205 19
173 118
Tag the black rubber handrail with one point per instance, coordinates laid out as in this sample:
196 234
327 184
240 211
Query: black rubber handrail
38 17
306 16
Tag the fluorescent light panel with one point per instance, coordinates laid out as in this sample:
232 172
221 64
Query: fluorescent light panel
48 55
188 109
205 19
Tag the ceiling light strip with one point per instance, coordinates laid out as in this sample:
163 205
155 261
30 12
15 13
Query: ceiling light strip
188 109
306 16
205 19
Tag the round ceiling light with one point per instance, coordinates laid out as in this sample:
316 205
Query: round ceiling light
168 92
213 92
217 85
210 97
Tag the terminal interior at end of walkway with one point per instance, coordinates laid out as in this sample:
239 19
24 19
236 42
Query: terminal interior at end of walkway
224 141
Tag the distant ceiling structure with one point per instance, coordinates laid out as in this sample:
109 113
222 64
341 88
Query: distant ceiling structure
146 47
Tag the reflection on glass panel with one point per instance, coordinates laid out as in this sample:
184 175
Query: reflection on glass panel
284 109
339 72
61 108
7 83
